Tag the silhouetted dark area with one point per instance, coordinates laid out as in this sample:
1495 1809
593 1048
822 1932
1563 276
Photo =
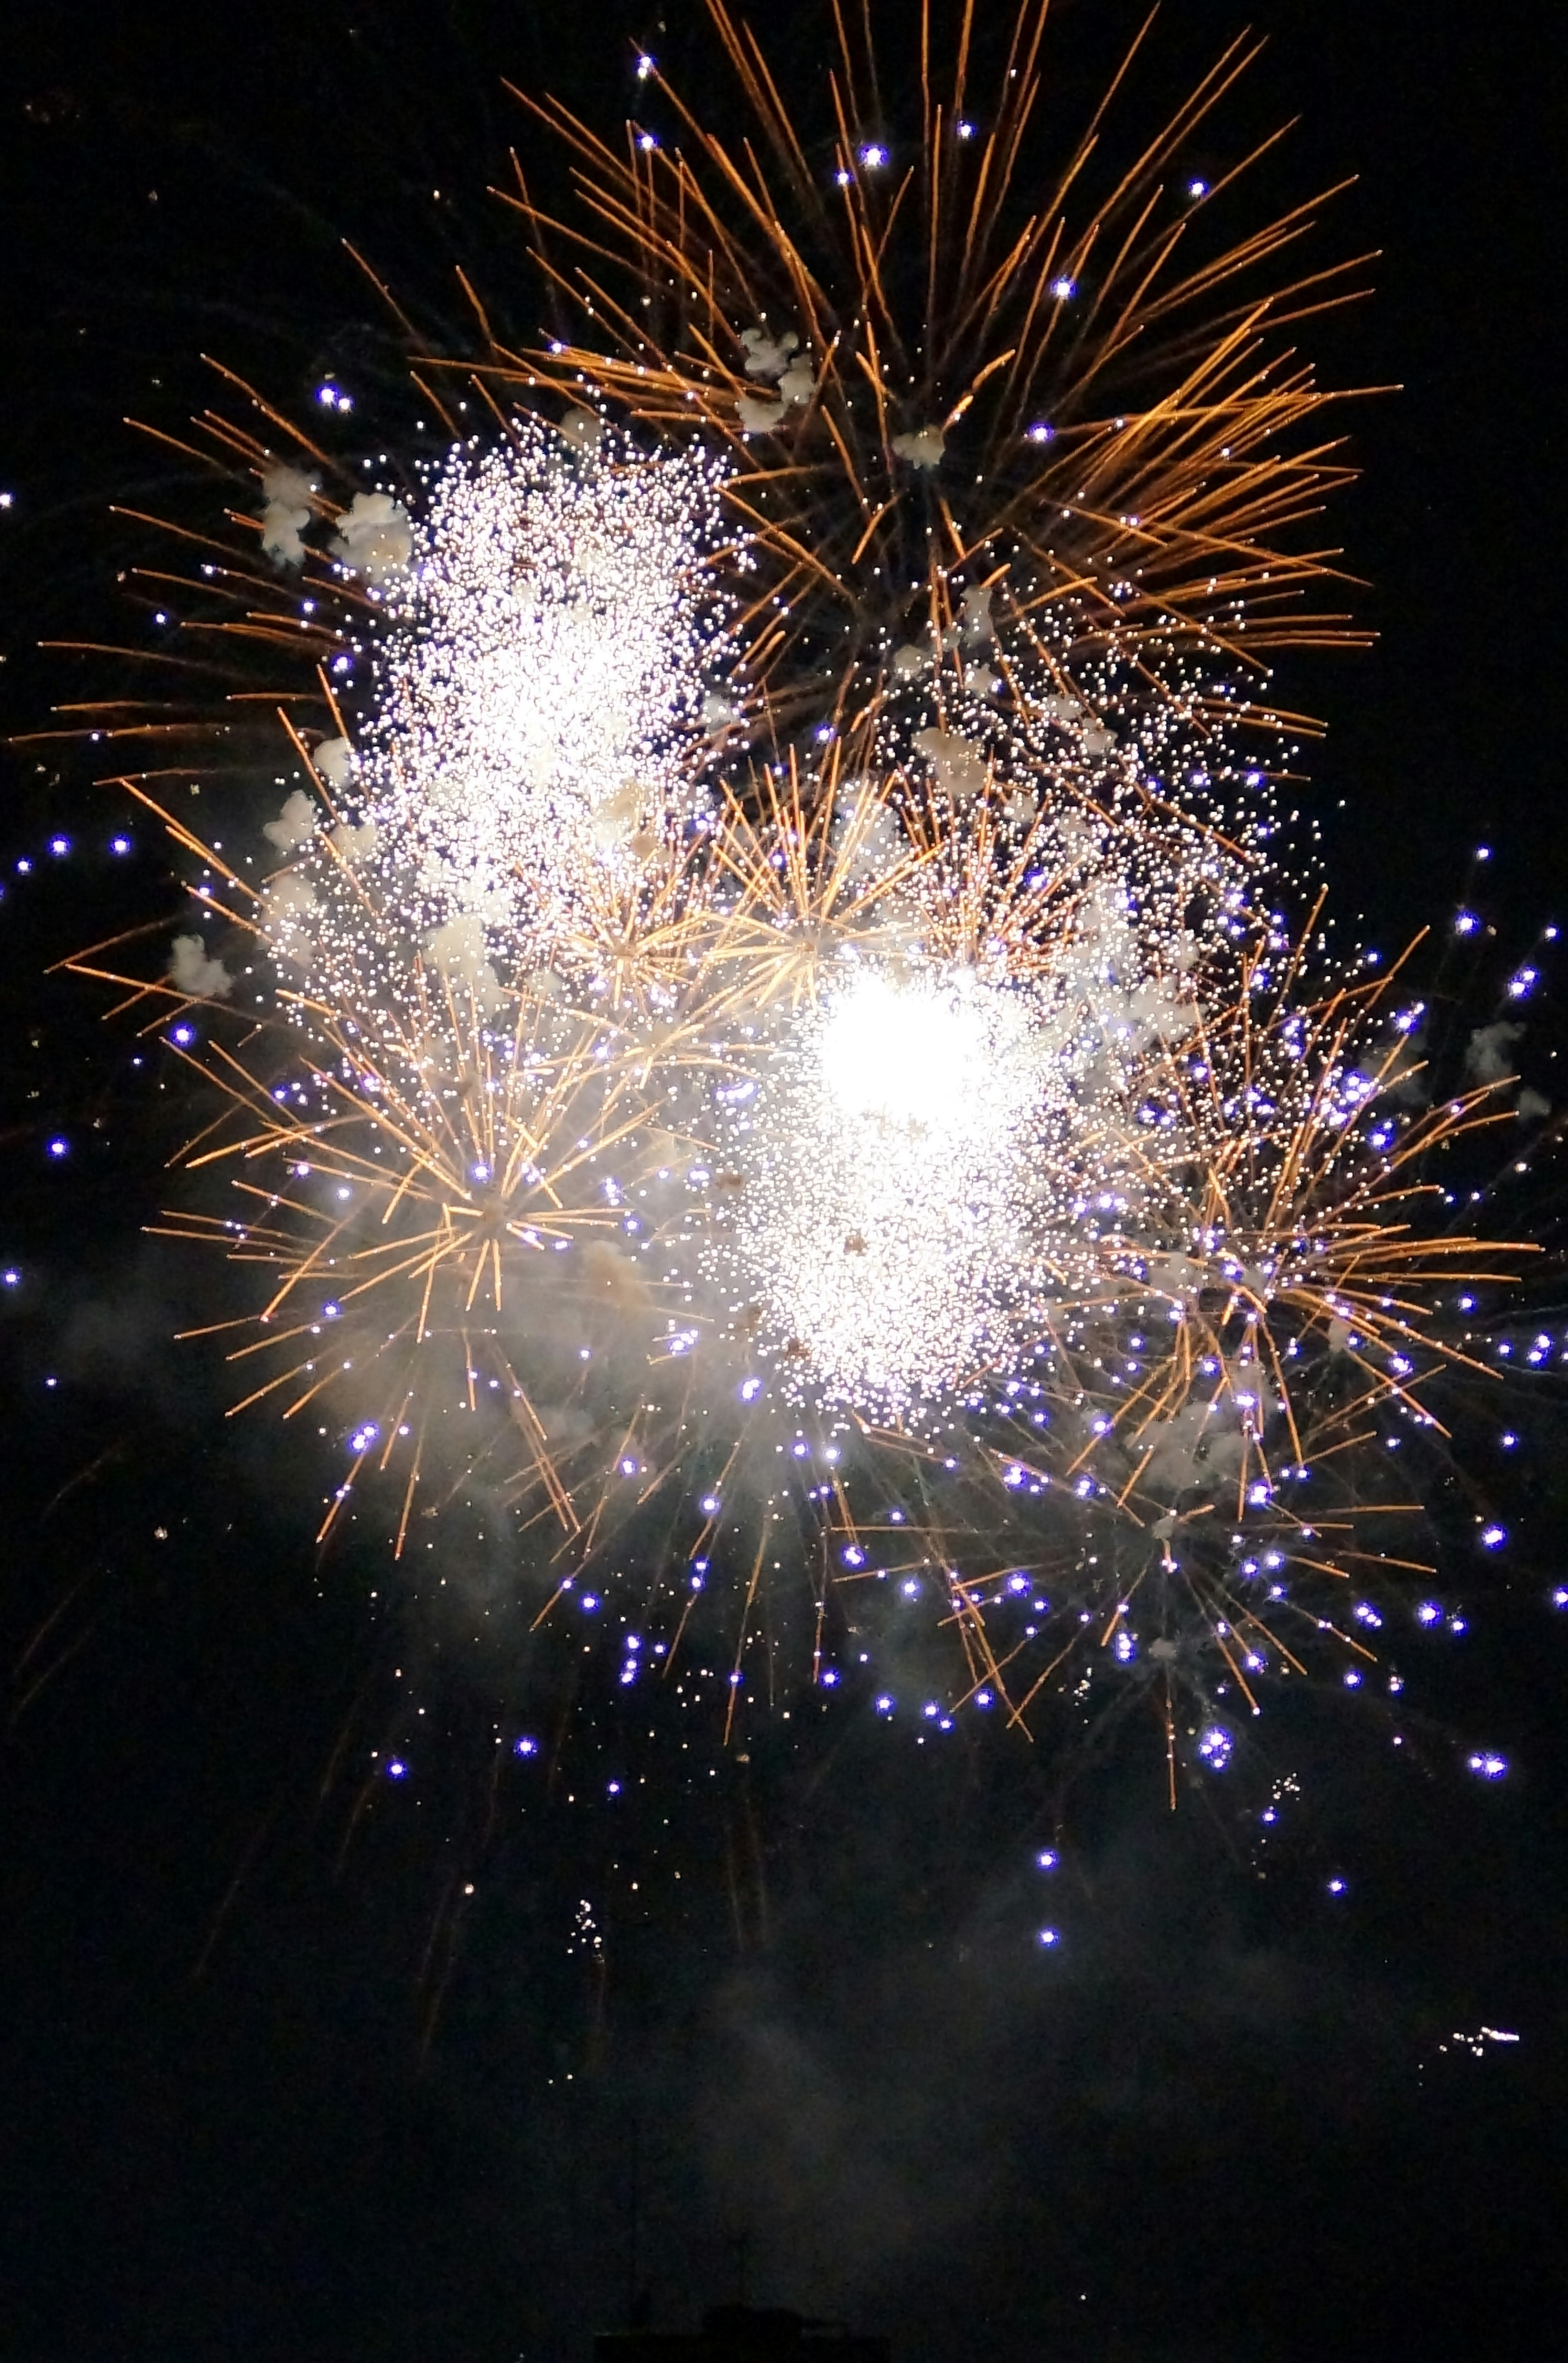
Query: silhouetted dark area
295 2067
744 2333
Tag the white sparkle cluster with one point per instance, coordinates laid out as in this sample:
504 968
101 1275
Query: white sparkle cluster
548 668
955 1142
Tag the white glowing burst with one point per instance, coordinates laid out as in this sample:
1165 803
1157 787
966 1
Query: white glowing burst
918 1058
896 1184
891 1214
547 683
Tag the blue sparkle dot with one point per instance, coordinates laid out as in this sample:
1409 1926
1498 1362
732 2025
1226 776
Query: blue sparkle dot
397 1770
58 1146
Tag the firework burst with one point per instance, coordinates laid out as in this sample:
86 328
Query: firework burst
924 355
767 1036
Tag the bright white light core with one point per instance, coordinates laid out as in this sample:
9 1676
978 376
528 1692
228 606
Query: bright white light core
913 1055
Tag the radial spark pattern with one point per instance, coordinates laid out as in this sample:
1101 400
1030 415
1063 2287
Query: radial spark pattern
767 1036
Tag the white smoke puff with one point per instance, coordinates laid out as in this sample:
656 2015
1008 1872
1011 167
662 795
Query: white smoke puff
291 909
719 714
758 417
798 381
910 661
981 680
355 844
1404 1079
611 1272
287 493
1489 1054
458 950
194 974
958 768
295 825
1223 1458
375 539
765 355
1173 1447
583 430
1096 739
1175 1276
1340 1335
334 761
1191 1448
1158 1013
975 614
564 1423
1531 1107
922 450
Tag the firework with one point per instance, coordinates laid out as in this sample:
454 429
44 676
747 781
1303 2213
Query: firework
927 353
968 1205
441 943
544 684
1276 1323
767 1036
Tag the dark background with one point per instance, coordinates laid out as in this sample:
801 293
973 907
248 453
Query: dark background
272 2084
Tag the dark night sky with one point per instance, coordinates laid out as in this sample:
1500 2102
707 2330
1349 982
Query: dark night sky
273 2085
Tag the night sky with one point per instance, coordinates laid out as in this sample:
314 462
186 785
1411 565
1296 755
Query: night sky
298 2065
